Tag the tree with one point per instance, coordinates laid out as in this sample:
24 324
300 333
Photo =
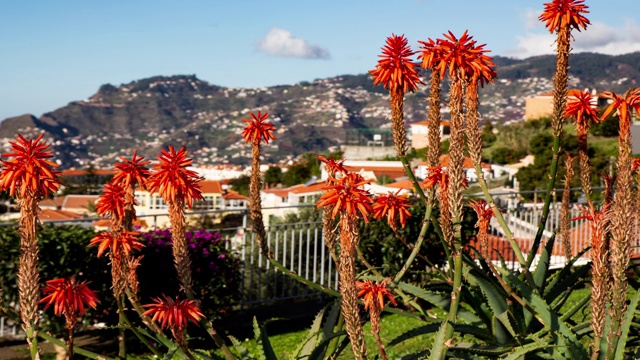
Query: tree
297 174
273 175
241 185
488 137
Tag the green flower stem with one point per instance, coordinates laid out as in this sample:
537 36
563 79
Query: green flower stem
547 202
123 321
524 264
416 249
77 350
122 344
412 177
33 343
453 309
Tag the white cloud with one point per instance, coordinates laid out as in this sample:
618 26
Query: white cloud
280 42
598 38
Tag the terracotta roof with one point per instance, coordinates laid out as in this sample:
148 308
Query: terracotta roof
393 172
312 188
210 187
49 214
283 193
234 195
55 202
403 184
570 92
78 201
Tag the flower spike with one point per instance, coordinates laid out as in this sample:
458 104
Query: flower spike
565 14
173 313
395 70
29 170
68 296
257 128
394 207
348 195
172 180
131 172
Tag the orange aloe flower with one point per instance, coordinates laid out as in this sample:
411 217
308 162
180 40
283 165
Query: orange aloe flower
29 170
125 242
394 207
347 195
333 166
111 202
131 172
395 70
482 209
171 178
173 314
560 14
581 109
437 176
595 217
68 296
374 294
622 104
257 128
430 54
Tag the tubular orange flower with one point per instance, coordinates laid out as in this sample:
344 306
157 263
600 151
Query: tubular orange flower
173 313
347 195
68 296
622 104
29 170
125 242
459 54
333 166
437 176
565 14
111 202
581 109
395 70
172 180
394 207
482 209
131 172
595 217
430 54
257 128
373 292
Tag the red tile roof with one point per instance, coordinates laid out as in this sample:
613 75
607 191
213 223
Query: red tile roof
467 163
234 195
49 214
210 187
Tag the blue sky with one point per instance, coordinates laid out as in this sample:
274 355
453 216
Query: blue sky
54 52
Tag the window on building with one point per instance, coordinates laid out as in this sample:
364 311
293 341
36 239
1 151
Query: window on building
158 203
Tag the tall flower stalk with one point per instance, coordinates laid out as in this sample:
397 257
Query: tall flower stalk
348 199
560 17
179 188
257 129
565 210
581 108
335 169
623 206
430 56
599 224
484 213
28 176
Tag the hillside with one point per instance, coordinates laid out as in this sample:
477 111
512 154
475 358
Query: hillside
151 113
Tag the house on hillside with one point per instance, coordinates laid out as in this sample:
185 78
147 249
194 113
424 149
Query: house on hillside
541 105
420 133
378 171
153 208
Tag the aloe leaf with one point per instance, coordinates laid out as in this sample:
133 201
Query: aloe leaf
244 353
438 349
540 273
626 324
577 307
263 342
485 351
170 353
566 270
477 332
566 282
440 300
559 330
520 352
318 352
307 346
